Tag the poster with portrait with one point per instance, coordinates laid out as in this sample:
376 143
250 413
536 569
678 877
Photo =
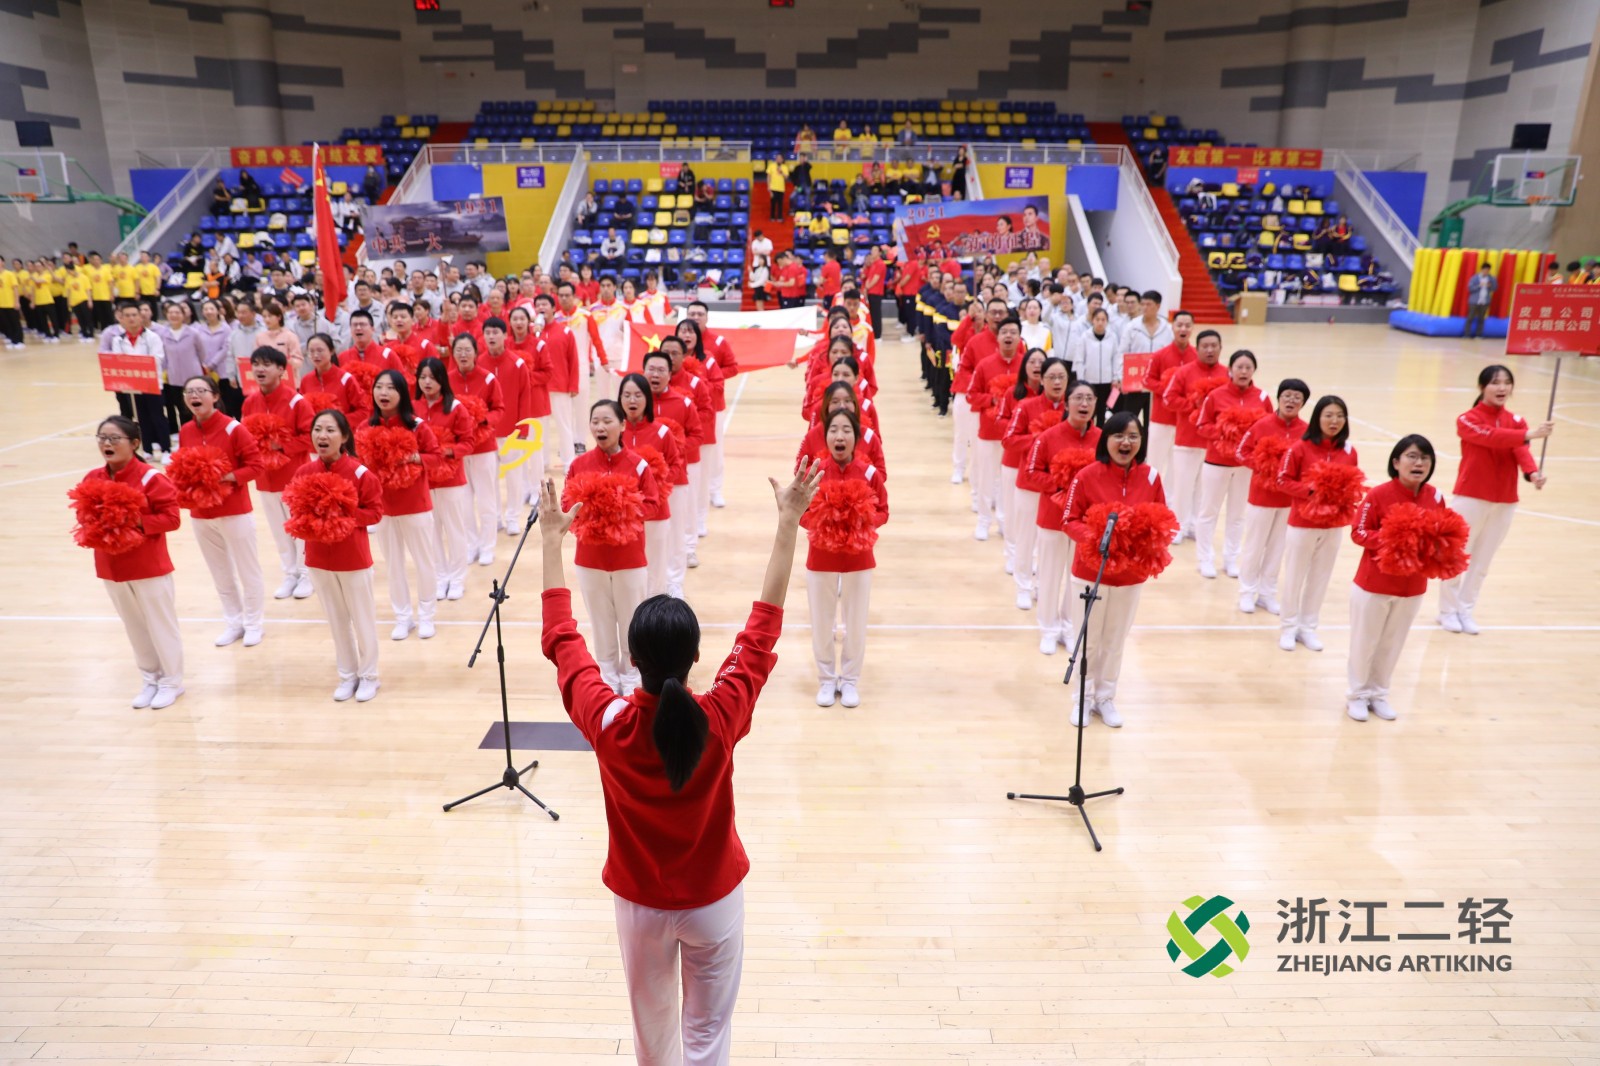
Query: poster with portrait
419 234
965 229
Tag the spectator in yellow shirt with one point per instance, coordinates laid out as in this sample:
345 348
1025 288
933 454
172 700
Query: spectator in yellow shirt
44 302
148 277
100 281
122 277
75 297
10 315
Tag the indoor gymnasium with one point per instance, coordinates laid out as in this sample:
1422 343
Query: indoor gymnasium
449 447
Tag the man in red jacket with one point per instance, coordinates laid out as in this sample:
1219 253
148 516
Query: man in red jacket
467 378
873 273
556 344
831 280
276 397
1165 363
516 389
790 280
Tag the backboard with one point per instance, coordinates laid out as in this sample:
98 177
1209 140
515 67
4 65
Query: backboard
1534 179
35 173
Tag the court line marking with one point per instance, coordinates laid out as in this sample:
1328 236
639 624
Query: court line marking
744 379
913 626
44 477
50 436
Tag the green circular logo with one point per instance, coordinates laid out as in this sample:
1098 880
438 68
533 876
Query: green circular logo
1211 960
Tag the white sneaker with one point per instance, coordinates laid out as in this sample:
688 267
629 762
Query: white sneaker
1010 568
1286 639
956 477
456 590
1208 570
486 558
1450 622
692 560
302 587
145 697
1177 538
425 629
165 697
1024 600
1268 604
511 526
1048 644
1230 568
982 530
345 690
1468 626
717 500
1247 603
848 696
401 630
441 591
366 688
1356 709
1309 638
701 532
826 693
228 636
1381 708
252 637
286 589
1080 715
1109 714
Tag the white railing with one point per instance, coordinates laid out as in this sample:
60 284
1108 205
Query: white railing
1133 186
415 184
596 152
1378 159
1083 155
174 158
563 217
201 174
1397 233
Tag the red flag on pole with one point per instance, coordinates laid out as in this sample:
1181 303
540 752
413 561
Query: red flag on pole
330 264
757 349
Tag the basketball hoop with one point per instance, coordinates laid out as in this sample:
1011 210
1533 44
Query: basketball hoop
1536 199
22 201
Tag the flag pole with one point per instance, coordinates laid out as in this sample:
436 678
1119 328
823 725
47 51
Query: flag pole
1550 414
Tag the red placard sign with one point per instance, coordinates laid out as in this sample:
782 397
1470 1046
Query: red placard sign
247 379
1554 318
129 373
1198 156
669 171
1248 175
1135 365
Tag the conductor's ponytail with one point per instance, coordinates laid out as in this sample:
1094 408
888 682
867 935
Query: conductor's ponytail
680 732
664 640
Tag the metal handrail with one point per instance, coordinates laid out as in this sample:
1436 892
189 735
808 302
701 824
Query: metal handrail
173 158
1397 233
562 219
1133 178
1376 159
162 215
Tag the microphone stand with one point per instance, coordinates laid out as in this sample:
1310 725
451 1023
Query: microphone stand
1080 656
512 777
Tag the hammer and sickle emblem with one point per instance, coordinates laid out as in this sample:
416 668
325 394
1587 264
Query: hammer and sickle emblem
518 450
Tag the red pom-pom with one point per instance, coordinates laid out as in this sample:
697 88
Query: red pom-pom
694 366
268 429
841 517
1414 542
365 374
1196 398
658 467
679 437
108 516
479 410
1139 547
1336 491
613 508
322 507
1065 464
1266 458
1233 424
1049 418
387 452
324 401
197 475
1001 387
442 471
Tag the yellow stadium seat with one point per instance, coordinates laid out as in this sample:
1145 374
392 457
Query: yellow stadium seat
1151 133
408 132
194 279
541 119
987 105
1204 144
663 218
947 105
802 218
585 105
670 201
1074 142
658 116
1271 222
670 129
885 129
652 185
1029 142
1230 188
424 131
1302 242
992 131
899 116
962 105
563 131
1266 240
1158 121
1268 189
1235 261
841 236
402 120
1313 207
653 130
246 241
714 140
338 188
1297 207
541 105
480 141
528 142
947 130
356 141
608 130
658 237
680 217
1216 260
639 236
307 257
1347 283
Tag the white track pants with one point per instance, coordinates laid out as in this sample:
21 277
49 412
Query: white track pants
704 944
1489 523
1265 531
399 535
346 597
1056 613
711 457
228 546
1378 628
514 482
610 597
1022 533
1308 559
1223 489
291 552
482 470
677 550
149 612
563 407
1184 493
986 456
453 533
965 422
1109 624
693 500
839 597
1159 452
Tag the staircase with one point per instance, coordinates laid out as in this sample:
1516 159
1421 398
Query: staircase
781 234
450 133
1200 296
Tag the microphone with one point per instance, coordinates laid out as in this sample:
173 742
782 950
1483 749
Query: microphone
1105 538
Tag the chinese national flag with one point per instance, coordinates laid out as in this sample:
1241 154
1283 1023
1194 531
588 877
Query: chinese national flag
756 349
329 262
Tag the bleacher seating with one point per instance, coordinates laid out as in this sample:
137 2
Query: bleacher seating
1266 239
1147 131
771 125
400 136
282 228
669 232
850 232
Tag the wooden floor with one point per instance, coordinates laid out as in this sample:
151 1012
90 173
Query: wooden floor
261 875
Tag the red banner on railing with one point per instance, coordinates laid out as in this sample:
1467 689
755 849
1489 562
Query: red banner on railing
334 155
1194 156
129 373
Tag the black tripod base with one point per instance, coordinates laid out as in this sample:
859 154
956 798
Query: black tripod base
512 779
1075 796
